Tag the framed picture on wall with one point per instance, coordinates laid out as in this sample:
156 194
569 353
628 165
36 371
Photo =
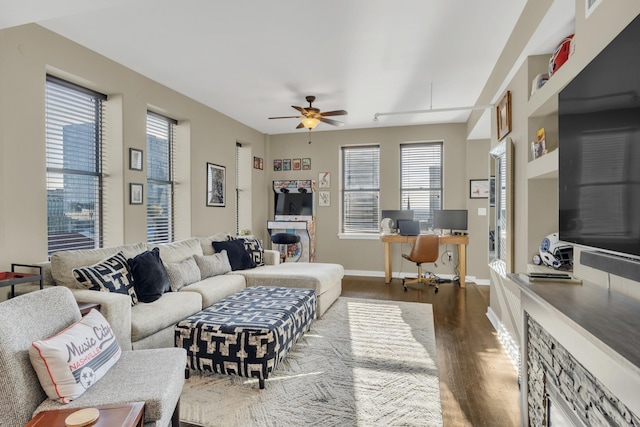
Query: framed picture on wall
277 165
135 159
286 164
503 115
324 180
297 164
479 188
306 164
216 182
136 196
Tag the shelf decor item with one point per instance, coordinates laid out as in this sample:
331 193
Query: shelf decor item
503 115
135 194
478 188
539 147
135 159
216 183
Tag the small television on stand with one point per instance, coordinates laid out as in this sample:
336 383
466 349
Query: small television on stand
451 220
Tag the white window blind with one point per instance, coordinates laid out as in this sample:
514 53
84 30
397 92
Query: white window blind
73 120
160 137
421 179
360 189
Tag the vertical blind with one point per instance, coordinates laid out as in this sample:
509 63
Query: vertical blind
421 179
360 189
73 133
160 137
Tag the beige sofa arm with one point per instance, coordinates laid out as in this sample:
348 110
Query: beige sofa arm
271 257
116 308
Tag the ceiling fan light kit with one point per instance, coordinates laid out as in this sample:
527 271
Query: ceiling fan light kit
310 122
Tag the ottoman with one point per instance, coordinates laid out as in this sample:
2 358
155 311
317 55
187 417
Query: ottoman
249 333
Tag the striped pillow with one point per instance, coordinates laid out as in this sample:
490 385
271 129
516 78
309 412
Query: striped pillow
109 275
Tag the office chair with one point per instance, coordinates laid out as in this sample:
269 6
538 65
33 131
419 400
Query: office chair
284 240
425 249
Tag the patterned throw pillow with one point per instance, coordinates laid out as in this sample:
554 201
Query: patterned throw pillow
255 249
109 275
71 361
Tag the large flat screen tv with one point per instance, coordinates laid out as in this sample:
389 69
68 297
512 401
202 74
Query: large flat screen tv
599 150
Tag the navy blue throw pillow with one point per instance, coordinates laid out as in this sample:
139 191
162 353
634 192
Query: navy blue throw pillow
150 278
239 258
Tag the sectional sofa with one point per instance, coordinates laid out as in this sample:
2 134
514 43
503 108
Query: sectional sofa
151 324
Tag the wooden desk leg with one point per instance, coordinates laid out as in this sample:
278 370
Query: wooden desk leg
462 257
387 262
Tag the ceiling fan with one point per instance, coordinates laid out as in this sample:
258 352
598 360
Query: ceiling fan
311 116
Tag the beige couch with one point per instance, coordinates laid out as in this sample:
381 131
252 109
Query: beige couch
151 325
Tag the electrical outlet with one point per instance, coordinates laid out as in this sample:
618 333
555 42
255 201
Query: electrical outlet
449 255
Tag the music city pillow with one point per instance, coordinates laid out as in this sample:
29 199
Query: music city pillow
74 359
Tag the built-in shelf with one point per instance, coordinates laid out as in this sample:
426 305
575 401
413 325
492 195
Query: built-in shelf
545 100
544 167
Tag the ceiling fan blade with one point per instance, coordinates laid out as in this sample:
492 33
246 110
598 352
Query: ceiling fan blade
287 117
331 122
302 110
334 113
300 126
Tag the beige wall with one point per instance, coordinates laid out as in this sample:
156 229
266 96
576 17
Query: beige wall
27 54
367 256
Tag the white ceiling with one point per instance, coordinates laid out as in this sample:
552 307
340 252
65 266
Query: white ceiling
254 59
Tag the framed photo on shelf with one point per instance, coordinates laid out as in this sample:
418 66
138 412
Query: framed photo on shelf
478 188
297 164
135 159
216 182
503 115
136 194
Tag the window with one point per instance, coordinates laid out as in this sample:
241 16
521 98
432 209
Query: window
160 131
73 120
360 189
421 179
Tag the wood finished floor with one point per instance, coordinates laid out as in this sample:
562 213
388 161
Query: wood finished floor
478 383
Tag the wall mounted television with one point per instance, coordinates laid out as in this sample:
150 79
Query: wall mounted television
599 150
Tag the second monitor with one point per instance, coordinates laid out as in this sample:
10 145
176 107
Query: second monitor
450 219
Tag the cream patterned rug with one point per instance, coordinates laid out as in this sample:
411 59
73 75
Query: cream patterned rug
365 363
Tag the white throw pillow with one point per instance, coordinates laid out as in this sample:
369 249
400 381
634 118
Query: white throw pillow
71 361
213 265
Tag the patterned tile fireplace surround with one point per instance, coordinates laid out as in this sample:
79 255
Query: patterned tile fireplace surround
580 356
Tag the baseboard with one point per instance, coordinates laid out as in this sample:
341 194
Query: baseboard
399 275
512 347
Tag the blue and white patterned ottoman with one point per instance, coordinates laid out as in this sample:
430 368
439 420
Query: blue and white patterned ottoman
248 333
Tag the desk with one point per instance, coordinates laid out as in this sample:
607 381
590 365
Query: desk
461 241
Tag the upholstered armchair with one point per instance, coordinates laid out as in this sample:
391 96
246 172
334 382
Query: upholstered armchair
154 376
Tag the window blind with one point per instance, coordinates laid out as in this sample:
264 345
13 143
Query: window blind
421 179
73 133
160 136
360 189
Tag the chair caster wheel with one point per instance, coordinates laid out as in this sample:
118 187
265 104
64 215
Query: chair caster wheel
436 290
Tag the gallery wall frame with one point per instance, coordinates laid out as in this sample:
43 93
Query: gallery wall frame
135 159
216 185
503 115
478 188
136 193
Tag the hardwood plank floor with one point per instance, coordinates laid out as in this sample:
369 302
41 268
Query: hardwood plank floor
478 382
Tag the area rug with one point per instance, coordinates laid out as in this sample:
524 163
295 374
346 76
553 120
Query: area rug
365 363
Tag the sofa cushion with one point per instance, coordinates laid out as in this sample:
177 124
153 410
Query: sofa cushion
71 361
239 258
63 263
213 265
182 273
150 278
180 250
213 289
205 242
149 318
109 275
314 275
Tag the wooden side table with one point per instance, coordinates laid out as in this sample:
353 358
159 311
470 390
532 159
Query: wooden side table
85 307
13 278
122 415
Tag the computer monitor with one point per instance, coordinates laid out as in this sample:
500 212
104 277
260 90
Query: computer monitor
395 215
450 219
